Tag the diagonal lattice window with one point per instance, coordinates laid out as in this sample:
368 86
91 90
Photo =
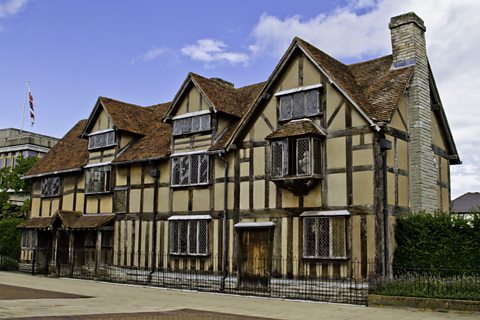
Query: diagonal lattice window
299 104
51 187
190 170
324 237
188 237
303 156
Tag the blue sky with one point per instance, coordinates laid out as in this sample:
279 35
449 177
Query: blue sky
141 51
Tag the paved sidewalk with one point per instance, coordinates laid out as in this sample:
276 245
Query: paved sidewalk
115 298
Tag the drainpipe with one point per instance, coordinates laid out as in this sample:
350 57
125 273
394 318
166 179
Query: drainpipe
225 216
155 174
385 145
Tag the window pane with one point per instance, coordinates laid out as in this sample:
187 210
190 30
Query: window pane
317 159
323 240
205 122
120 201
173 237
277 159
186 125
177 127
309 236
194 169
203 168
286 105
175 171
195 123
192 236
303 156
51 187
182 233
298 104
184 170
338 235
202 236
311 102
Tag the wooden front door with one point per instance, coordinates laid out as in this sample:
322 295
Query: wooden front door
255 258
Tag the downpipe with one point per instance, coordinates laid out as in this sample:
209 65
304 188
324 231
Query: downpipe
224 223
385 145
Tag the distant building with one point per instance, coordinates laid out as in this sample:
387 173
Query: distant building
466 203
15 142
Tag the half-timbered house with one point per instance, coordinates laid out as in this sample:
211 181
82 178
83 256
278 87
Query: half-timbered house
301 174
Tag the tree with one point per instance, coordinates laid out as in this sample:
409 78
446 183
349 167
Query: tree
10 178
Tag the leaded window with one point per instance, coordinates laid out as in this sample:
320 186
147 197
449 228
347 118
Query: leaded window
192 124
98 179
51 187
101 140
120 201
296 157
299 104
190 170
28 239
189 237
324 237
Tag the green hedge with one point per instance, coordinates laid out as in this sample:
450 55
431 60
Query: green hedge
10 238
438 241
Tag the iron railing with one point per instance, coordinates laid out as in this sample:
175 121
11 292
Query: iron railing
429 283
203 273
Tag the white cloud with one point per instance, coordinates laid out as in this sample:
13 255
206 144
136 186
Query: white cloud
359 30
11 7
211 50
150 55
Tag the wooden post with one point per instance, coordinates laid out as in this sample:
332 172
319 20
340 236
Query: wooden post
71 247
98 255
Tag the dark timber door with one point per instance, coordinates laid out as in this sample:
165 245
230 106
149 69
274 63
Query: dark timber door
255 258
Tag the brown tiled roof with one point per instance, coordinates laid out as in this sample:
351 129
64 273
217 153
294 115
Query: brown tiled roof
224 97
295 128
127 116
382 86
69 153
339 73
77 220
246 96
156 142
36 223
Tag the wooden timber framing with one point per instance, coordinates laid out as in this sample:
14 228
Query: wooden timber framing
270 140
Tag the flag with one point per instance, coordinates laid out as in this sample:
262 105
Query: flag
32 111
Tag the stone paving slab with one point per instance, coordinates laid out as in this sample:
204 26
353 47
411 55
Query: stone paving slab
183 314
109 298
8 292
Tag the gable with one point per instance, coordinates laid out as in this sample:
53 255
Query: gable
191 100
102 121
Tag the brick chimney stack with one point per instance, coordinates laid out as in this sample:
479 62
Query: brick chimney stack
409 48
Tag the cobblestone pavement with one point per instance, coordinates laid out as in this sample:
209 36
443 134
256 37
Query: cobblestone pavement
114 301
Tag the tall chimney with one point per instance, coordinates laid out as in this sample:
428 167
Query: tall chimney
409 48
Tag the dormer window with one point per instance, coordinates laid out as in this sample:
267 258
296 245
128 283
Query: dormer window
299 103
98 140
192 122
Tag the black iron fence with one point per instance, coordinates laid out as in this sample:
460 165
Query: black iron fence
8 260
308 281
429 283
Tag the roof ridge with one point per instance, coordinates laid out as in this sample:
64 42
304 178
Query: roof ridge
122 102
370 60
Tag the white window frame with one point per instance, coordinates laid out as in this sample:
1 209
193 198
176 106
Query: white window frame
109 140
192 222
329 216
205 123
50 180
107 180
180 158
291 93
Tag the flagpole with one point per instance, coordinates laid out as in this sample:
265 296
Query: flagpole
27 85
